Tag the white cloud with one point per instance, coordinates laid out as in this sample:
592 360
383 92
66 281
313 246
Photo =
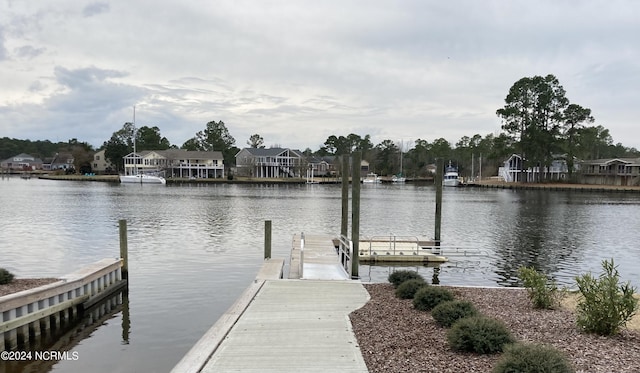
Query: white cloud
297 72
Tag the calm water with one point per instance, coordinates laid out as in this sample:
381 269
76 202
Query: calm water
194 249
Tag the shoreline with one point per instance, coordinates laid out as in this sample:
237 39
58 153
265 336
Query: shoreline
298 181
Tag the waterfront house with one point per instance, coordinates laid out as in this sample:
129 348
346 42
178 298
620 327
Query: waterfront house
322 166
269 163
611 171
100 164
176 163
512 171
60 161
22 162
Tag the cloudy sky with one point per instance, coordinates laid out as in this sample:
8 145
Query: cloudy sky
296 72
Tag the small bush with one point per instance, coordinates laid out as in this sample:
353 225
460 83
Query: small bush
543 292
447 313
430 296
5 276
532 358
398 277
479 334
408 289
606 305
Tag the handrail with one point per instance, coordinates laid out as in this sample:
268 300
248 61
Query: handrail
301 254
393 241
345 251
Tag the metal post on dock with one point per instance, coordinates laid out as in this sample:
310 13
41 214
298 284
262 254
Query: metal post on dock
124 249
267 239
355 212
344 227
438 181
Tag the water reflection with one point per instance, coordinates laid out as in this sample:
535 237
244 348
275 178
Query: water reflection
193 249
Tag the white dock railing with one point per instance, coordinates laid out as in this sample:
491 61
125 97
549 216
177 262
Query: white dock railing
29 313
391 245
345 251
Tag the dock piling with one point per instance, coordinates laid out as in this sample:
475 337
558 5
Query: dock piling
344 227
124 249
438 181
355 212
267 239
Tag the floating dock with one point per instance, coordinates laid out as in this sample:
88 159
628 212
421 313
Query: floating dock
399 249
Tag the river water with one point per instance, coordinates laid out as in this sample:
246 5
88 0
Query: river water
194 248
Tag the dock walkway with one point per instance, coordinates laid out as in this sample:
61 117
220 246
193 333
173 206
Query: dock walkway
295 326
300 324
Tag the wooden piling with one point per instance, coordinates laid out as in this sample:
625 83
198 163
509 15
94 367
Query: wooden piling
344 227
438 181
267 239
124 249
355 214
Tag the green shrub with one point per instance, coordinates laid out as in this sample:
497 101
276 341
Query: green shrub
398 277
606 305
532 358
479 334
543 292
430 296
408 289
447 313
5 276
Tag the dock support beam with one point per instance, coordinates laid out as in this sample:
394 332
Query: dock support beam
438 181
267 239
124 249
344 227
355 214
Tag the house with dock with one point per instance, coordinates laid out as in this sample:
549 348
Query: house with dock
176 163
512 170
611 171
270 163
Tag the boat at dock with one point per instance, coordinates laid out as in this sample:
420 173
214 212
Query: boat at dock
451 178
142 179
398 178
137 176
372 178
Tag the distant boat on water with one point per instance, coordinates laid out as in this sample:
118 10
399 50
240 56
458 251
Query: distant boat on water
451 176
372 178
138 177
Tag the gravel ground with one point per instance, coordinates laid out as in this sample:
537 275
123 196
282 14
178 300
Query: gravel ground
394 337
24 284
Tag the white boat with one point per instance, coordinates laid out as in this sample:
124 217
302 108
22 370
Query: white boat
398 179
372 178
451 176
142 179
138 177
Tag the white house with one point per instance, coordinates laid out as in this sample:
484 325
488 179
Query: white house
511 170
269 163
176 163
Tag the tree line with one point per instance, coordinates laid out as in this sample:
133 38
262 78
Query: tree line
538 122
